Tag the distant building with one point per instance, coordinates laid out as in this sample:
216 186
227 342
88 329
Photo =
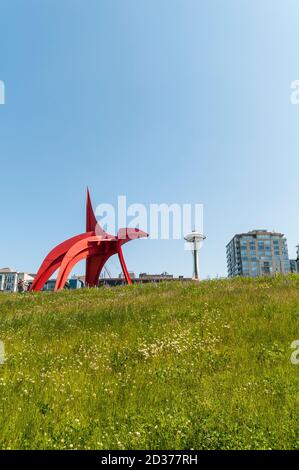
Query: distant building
13 281
121 275
156 277
75 283
257 253
8 280
143 278
50 285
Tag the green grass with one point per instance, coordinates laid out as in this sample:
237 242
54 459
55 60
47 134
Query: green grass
165 366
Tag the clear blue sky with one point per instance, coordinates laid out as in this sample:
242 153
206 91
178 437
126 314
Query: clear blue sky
161 100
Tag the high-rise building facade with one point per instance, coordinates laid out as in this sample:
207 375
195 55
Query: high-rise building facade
257 253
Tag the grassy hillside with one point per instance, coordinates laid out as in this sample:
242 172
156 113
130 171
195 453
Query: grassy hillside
155 367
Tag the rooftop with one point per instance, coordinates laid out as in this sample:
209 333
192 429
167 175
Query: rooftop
6 270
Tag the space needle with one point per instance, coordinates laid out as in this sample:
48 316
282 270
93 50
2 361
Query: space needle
196 240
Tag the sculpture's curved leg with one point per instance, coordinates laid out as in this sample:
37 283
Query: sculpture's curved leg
68 266
80 250
92 269
45 275
123 265
96 265
53 257
99 261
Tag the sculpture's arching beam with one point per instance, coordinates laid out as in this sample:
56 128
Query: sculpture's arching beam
70 264
53 260
88 247
45 275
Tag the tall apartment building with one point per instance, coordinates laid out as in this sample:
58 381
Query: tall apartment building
257 253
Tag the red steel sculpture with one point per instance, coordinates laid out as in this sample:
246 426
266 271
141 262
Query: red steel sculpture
95 245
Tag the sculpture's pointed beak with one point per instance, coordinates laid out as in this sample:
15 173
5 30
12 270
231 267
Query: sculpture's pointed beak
131 234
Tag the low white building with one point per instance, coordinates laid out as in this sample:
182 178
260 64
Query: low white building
13 281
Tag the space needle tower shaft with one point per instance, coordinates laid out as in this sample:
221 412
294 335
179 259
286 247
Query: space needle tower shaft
195 239
195 264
